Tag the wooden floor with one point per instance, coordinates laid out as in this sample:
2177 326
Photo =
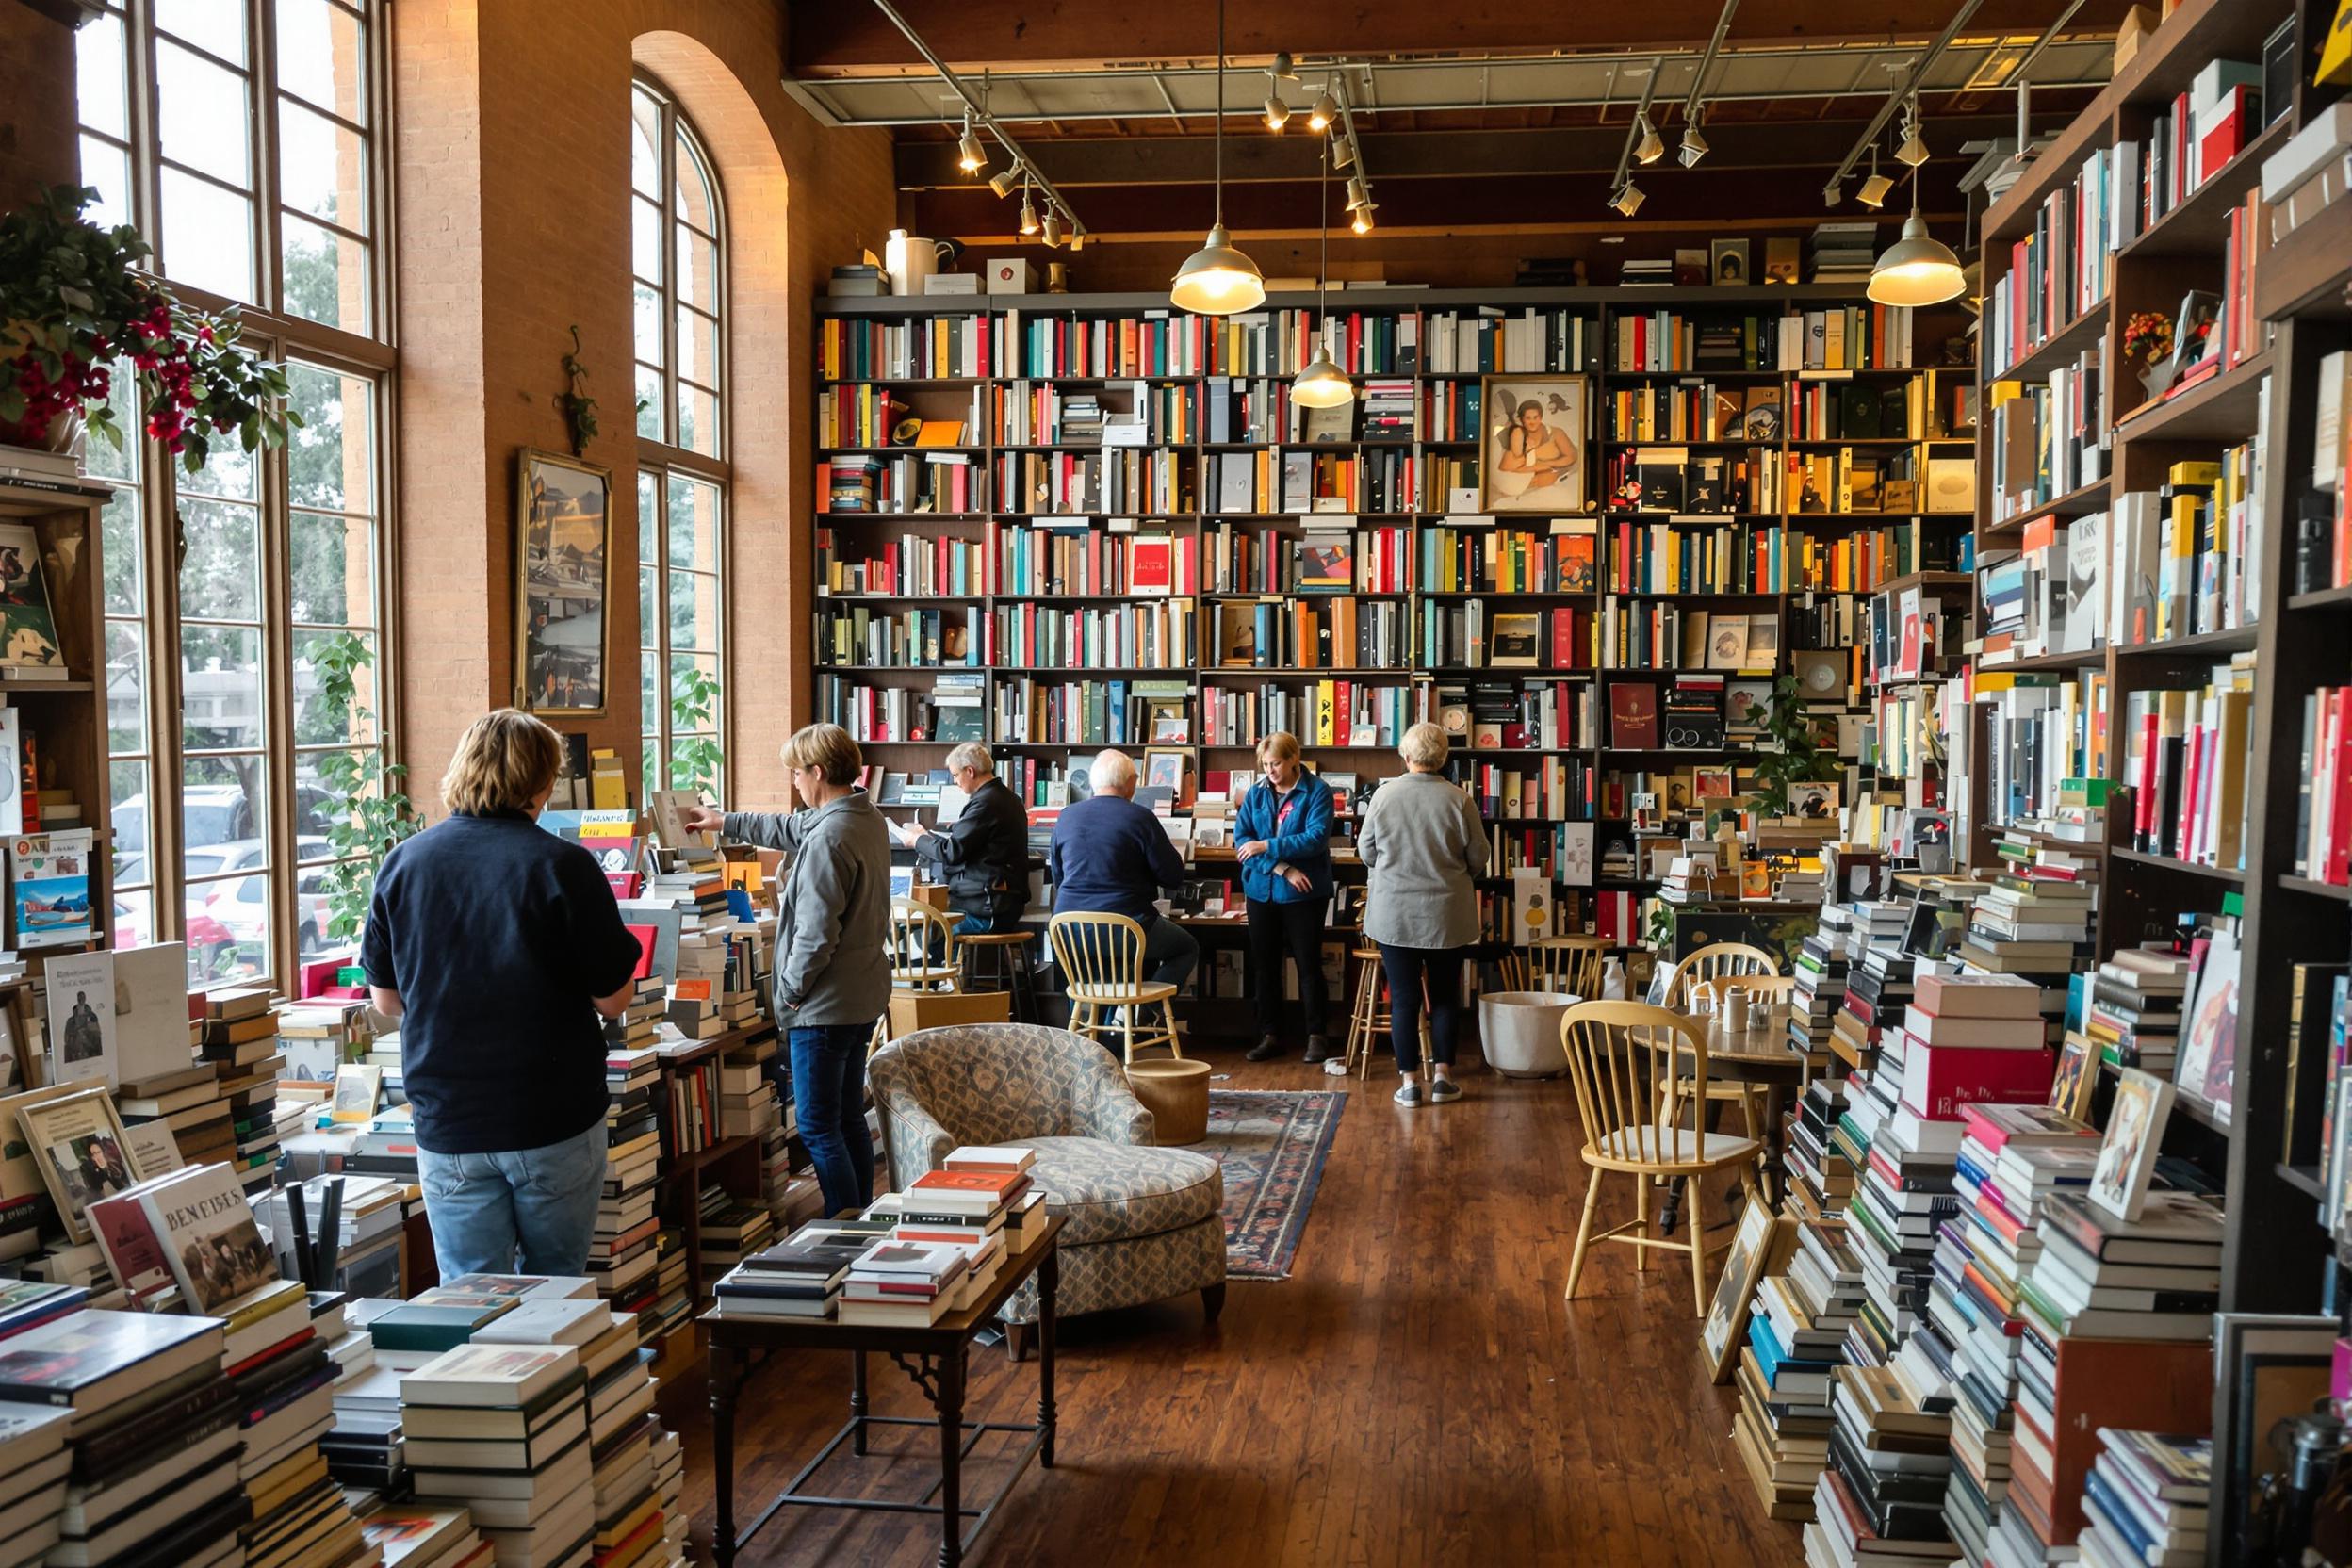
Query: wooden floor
1416 1392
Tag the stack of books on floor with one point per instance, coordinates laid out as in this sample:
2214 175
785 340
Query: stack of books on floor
1796 1339
364 1451
424 1535
1877 990
2029 926
747 1100
672 1295
2145 1500
2011 1158
621 1253
731 1231
2117 1333
1821 1177
669 1484
2132 1016
33 1467
1974 1039
525 1471
1820 967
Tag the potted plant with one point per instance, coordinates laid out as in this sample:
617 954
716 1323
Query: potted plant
75 300
1796 757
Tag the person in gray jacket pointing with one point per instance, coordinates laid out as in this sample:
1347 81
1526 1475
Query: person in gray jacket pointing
832 937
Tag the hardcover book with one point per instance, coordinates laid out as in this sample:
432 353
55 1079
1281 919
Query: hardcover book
94 1358
1633 716
209 1237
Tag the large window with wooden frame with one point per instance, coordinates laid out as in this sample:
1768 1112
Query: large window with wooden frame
677 254
246 648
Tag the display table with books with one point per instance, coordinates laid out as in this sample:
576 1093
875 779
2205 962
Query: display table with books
933 1355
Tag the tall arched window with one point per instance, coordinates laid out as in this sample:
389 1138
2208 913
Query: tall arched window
677 246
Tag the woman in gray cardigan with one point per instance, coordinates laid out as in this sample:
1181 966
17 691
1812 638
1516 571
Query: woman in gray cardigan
832 934
1422 841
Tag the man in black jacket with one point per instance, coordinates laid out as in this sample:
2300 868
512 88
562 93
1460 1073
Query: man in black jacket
983 856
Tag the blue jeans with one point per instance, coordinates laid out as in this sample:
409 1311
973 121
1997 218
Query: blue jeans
1170 952
828 1080
1409 968
542 1201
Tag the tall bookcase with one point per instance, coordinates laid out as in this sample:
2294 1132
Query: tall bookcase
2277 1257
1429 453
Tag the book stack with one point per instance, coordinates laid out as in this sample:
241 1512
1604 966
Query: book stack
621 1253
33 1467
420 1535
1820 1178
636 1029
747 1101
240 1039
1796 1338
371 1217
1973 1039
366 1451
2145 1500
2028 925
1843 252
2011 1157
153 1435
1820 966
800 1277
352 1349
902 1284
1877 990
525 1473
732 1231
318 1036
2132 1016
387 1147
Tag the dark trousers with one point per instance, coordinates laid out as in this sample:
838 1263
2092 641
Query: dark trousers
1296 929
1407 968
829 1066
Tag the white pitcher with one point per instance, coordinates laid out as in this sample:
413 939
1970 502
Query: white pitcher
911 258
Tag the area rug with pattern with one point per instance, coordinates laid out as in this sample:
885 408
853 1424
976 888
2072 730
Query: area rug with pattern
1272 1144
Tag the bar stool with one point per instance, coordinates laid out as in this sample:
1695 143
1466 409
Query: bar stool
1369 1018
1000 961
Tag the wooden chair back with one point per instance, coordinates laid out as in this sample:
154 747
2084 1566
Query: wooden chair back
1716 962
1625 1058
922 944
1100 951
1763 989
1570 964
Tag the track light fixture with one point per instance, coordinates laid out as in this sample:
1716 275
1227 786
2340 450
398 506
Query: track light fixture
1694 139
1912 150
1694 146
970 155
1357 194
1324 111
1343 152
1874 190
1628 199
1028 213
1052 227
1001 184
1276 112
1321 384
1360 220
1651 147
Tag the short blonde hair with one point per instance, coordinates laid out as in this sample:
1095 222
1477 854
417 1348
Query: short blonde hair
503 762
971 754
827 749
1278 743
1424 746
1113 769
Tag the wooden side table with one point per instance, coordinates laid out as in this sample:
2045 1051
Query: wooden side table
933 1358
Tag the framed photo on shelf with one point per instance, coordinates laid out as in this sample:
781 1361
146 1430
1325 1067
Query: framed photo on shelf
564 529
1727 262
1164 769
1535 443
77 1141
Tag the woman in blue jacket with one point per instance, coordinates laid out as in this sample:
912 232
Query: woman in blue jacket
1281 833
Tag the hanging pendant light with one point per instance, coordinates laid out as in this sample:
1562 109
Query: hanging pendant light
1322 384
1919 269
1217 279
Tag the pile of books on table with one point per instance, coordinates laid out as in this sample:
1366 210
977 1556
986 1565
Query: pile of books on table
2011 1158
2145 1500
801 1275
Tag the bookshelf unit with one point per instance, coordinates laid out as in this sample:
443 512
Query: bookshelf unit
2276 1258
1405 449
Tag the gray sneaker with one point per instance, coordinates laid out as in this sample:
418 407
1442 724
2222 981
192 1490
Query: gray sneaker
1443 1090
1409 1094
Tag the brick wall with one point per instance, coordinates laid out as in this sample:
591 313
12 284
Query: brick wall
513 162
37 140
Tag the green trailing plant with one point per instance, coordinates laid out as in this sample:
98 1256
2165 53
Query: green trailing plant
1797 756
697 760
368 815
579 409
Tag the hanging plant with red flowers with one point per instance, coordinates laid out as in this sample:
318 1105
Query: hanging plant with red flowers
74 300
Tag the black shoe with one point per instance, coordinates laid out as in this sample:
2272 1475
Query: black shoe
1319 1051
1266 1050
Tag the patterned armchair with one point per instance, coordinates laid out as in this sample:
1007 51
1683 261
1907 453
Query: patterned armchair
1144 1223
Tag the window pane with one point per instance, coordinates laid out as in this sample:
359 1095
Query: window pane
645 239
320 799
224 803
645 167
98 80
648 324
648 517
122 550
220 702
649 606
229 472
126 785
651 758
228 930
650 695
319 722
697 419
693 525
216 25
697 272
204 119
104 459
694 716
693 612
322 55
126 686
697 346
322 168
207 237
326 276
329 458
220 577
332 561
697 195
133 917
108 167
649 397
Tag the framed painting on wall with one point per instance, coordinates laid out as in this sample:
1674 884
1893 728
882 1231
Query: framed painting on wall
1535 441
563 530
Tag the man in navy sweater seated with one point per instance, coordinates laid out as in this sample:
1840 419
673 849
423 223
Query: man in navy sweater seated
1111 855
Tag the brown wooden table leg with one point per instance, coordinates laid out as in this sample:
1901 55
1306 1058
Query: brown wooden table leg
951 1408
1049 1285
723 1450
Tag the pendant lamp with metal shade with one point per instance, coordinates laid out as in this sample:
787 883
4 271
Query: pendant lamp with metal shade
1322 384
1917 268
1217 279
